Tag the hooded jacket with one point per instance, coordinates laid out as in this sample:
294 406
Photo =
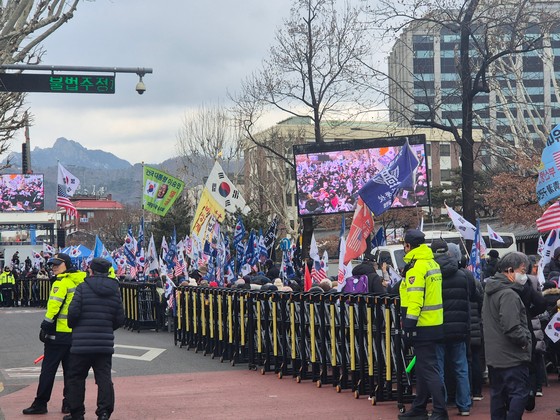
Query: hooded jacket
374 281
507 339
95 312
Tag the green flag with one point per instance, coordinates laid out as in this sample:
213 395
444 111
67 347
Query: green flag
160 190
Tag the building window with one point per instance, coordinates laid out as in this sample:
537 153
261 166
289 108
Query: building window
445 175
428 149
444 150
90 214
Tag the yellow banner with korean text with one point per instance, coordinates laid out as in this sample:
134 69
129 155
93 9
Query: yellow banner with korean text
207 208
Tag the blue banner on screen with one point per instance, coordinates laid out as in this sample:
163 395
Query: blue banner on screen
22 193
329 175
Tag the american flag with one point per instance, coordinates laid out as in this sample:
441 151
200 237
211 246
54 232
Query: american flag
63 200
550 219
67 186
179 267
556 157
318 272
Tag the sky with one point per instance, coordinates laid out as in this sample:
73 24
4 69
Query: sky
198 50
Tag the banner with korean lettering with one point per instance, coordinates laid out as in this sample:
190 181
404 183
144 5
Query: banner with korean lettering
548 183
160 190
207 208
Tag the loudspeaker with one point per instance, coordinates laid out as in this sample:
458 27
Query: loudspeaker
61 238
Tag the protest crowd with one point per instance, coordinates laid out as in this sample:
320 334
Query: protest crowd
461 319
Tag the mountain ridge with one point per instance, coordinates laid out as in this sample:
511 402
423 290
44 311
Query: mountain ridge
99 172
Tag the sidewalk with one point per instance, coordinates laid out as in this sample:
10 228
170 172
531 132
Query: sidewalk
243 394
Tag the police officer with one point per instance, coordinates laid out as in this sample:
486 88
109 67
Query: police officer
55 332
422 304
7 285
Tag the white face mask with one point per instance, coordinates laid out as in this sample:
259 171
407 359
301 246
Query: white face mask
520 278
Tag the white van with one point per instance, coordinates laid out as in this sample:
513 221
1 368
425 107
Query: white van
394 254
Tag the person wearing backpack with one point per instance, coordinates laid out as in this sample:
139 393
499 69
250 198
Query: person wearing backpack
422 305
367 268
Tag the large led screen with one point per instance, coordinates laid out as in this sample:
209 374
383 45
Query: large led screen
21 192
329 175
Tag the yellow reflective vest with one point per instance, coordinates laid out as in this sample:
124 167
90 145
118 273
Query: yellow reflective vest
62 292
6 277
421 296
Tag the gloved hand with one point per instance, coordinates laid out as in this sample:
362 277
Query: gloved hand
42 335
409 331
48 327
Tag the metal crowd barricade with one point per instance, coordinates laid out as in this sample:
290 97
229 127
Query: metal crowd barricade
140 302
351 341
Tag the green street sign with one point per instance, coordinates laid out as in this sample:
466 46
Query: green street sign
57 83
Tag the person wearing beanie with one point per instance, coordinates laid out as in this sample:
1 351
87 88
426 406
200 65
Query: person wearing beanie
491 264
422 320
94 314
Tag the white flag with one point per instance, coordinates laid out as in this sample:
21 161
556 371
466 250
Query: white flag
462 225
326 261
153 259
341 267
223 190
540 248
493 236
553 328
313 249
67 180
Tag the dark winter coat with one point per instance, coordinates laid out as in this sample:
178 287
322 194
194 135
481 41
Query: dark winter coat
491 267
551 296
553 265
476 309
375 284
95 312
273 273
507 340
534 306
455 295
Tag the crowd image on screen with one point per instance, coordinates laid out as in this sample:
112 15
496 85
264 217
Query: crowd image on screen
328 182
21 192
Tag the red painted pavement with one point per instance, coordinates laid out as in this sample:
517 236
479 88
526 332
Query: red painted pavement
242 394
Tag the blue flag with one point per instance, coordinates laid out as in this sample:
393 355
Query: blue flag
239 232
474 262
140 242
101 252
379 193
172 253
270 236
548 182
379 238
251 251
